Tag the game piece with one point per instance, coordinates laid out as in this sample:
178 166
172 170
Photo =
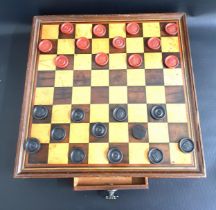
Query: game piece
154 43
61 61
119 114
32 145
118 42
171 61
171 28
115 155
40 112
155 155
99 130
99 30
83 43
67 28
133 28
101 59
157 112
77 155
138 131
135 60
186 145
58 133
77 115
45 46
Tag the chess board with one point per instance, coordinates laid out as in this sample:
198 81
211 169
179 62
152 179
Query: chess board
98 89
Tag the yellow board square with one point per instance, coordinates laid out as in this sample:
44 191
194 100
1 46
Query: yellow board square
61 113
169 44
137 113
96 78
44 96
158 132
178 157
173 77
100 45
58 153
81 95
118 132
65 46
134 45
117 94
41 132
82 61
138 153
117 29
153 60
46 62
136 77
151 29
176 113
79 133
50 32
83 30
99 113
97 153
64 78
155 94
118 61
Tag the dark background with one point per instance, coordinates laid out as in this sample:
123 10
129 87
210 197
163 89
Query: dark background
168 194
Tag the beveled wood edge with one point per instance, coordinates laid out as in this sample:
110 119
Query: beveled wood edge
20 172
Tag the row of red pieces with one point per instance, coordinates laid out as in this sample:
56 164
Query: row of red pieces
134 60
83 43
132 28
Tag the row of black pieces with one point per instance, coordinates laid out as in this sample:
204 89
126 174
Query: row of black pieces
119 113
77 155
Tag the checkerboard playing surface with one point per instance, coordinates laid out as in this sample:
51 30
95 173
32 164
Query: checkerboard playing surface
97 90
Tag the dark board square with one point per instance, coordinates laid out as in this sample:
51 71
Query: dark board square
164 55
82 146
123 147
141 66
112 49
54 48
66 127
45 79
82 78
147 49
67 36
40 157
111 109
150 118
70 63
162 27
106 34
117 77
154 77
45 120
177 131
95 66
140 34
174 94
62 95
99 95
79 51
101 139
136 94
86 110
131 137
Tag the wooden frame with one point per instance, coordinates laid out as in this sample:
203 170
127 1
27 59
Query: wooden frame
22 172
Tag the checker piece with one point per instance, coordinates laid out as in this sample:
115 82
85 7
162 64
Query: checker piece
155 155
114 155
77 155
40 112
32 145
67 28
45 46
77 115
138 131
119 114
58 133
171 28
99 30
154 43
83 43
118 42
186 145
135 60
101 59
171 61
157 112
61 61
133 28
99 130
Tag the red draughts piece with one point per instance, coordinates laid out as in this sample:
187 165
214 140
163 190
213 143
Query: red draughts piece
83 43
101 59
133 28
99 30
118 42
45 46
61 61
135 60
154 43
67 28
171 28
171 61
